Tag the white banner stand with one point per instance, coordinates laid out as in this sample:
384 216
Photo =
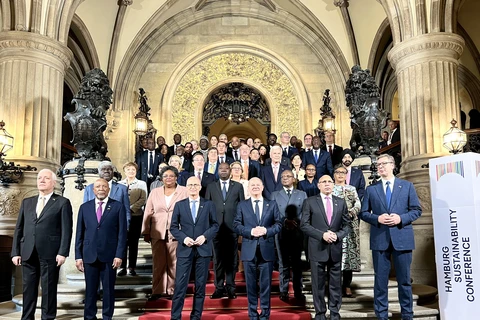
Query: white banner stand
455 190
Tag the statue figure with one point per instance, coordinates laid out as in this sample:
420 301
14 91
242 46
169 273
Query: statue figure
88 121
367 119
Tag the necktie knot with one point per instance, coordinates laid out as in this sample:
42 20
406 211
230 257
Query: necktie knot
388 194
99 211
329 209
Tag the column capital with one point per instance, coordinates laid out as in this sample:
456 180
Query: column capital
426 47
35 47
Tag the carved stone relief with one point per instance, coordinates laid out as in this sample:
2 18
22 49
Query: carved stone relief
235 67
9 202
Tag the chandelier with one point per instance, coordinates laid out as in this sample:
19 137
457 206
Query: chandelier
236 103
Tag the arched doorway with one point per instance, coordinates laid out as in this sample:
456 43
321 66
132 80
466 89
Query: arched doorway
236 109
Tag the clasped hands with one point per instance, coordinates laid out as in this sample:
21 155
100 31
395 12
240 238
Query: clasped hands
189 242
258 231
330 236
390 220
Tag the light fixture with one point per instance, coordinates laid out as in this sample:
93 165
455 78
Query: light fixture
9 172
454 139
327 120
141 118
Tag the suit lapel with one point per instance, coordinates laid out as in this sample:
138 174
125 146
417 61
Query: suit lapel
396 190
48 205
265 211
322 209
284 195
173 200
200 209
113 191
381 195
250 209
106 211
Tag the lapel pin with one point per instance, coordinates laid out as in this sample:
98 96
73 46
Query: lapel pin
399 186
201 207
108 208
267 204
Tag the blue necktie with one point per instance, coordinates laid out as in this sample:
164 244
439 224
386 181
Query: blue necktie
194 209
224 190
388 194
152 170
315 152
257 210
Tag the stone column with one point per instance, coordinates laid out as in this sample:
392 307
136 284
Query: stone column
426 70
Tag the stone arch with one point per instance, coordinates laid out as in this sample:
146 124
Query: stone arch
209 68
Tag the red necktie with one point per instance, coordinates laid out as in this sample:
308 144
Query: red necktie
330 150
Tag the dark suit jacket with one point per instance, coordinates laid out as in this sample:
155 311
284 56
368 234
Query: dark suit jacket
207 165
323 165
50 234
245 221
396 136
105 240
183 226
118 192
358 181
290 152
269 184
172 148
289 208
285 161
230 153
187 164
314 224
207 178
227 159
337 154
142 162
311 189
226 209
253 169
404 202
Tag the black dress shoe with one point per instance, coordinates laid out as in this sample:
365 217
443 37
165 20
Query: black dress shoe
284 296
300 297
132 272
122 272
232 295
154 297
217 295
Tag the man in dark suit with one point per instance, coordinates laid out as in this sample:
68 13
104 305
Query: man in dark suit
177 141
186 162
354 176
307 142
320 158
41 244
250 167
391 206
99 247
325 221
148 162
211 165
118 191
258 221
225 194
222 153
394 137
203 176
271 174
194 225
287 150
234 153
289 241
334 150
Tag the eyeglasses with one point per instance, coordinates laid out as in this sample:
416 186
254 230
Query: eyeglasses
287 177
325 181
383 164
340 172
236 168
169 176
193 185
198 160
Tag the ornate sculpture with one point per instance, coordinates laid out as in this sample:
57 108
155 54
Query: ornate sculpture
367 119
88 121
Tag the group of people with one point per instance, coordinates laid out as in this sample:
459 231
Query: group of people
230 196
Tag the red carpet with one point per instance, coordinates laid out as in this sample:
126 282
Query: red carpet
225 309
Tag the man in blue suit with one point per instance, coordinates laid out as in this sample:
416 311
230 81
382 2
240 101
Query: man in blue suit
288 150
211 166
258 221
194 225
289 241
390 206
148 162
354 176
198 166
99 247
271 173
320 158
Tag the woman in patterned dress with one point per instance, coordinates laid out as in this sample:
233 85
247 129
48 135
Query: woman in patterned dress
351 243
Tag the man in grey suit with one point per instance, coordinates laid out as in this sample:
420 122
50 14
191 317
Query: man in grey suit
325 221
225 194
41 244
289 241
390 206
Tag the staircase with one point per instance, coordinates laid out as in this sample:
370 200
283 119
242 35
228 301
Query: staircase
131 302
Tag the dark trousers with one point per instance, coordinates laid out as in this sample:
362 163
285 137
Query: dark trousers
184 267
265 269
132 242
289 249
94 273
381 264
320 272
35 269
225 258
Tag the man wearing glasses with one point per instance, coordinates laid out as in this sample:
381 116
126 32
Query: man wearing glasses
194 225
390 206
325 221
198 172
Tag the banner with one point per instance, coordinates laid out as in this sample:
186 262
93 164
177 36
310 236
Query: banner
455 191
